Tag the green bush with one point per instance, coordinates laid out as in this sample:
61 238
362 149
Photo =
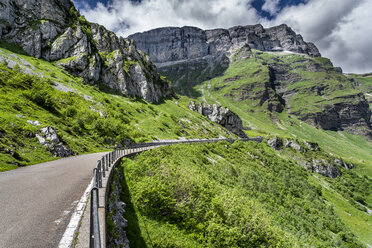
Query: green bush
71 111
44 98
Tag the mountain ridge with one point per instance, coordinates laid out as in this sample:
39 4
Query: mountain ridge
284 72
277 38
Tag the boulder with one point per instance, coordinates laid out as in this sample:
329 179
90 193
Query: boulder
325 168
49 138
341 163
292 144
275 143
223 116
34 123
311 146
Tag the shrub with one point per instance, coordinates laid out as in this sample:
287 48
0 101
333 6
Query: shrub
71 111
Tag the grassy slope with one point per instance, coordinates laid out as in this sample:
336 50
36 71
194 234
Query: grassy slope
244 185
252 71
86 119
364 83
352 148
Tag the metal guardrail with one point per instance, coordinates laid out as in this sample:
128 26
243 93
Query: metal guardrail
110 159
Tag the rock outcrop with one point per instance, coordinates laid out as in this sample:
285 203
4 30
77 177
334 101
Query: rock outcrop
117 237
323 168
55 31
323 164
353 116
350 111
190 55
220 115
49 138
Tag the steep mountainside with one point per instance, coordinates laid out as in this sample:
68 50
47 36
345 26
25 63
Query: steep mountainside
68 86
55 31
191 55
270 68
47 113
310 89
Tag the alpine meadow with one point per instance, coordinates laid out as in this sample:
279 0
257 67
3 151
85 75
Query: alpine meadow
254 139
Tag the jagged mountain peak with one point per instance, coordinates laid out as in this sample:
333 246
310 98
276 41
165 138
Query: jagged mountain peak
55 31
177 43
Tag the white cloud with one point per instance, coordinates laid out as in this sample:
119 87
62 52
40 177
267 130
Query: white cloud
150 14
271 6
341 29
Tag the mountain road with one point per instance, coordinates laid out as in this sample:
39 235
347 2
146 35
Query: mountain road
36 202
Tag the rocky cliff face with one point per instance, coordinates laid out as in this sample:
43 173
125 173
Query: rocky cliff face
223 116
190 55
339 106
55 31
174 44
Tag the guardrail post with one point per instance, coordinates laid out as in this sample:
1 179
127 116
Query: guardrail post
106 160
95 176
103 168
99 175
95 237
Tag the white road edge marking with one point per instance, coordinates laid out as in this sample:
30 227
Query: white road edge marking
69 235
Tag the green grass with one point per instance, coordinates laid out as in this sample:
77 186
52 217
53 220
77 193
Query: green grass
236 195
86 119
357 220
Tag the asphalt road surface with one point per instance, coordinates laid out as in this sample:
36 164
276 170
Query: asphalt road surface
36 202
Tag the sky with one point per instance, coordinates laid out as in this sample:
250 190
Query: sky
341 29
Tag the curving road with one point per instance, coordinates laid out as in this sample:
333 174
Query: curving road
36 202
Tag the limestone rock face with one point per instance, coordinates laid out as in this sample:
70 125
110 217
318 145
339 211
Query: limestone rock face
353 116
173 44
223 116
55 31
